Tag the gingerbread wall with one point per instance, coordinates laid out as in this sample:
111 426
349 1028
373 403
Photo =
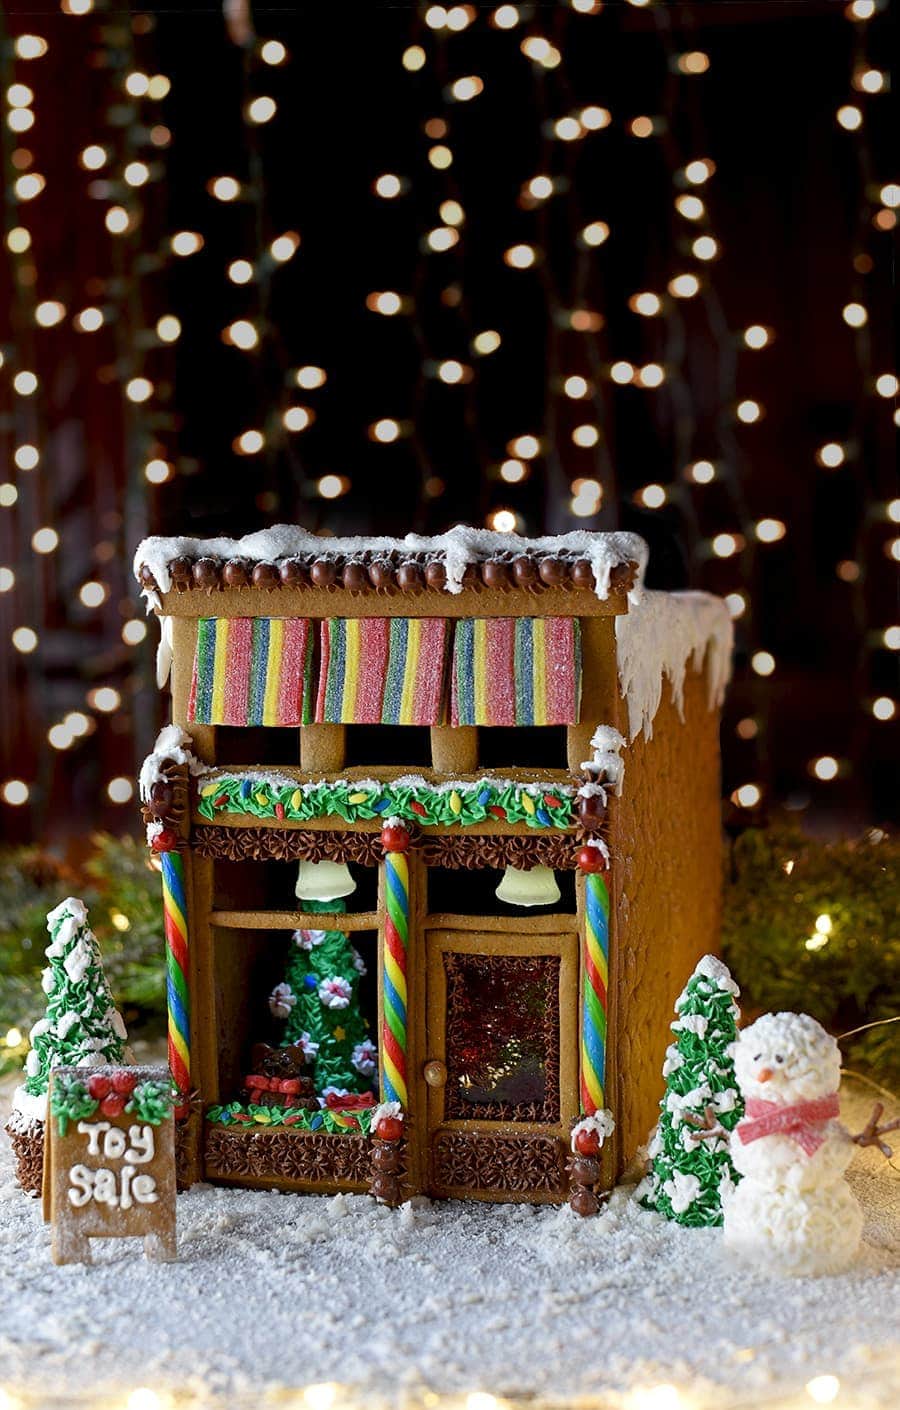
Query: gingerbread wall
666 839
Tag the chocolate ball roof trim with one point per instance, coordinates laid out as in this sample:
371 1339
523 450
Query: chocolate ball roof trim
462 558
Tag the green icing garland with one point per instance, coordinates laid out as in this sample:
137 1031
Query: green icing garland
70 1100
339 1123
427 806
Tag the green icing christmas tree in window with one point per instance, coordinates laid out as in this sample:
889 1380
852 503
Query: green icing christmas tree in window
319 999
691 1169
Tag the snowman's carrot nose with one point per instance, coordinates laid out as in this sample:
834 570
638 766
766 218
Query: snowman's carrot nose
764 1074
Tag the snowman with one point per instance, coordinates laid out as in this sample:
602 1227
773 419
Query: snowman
793 1212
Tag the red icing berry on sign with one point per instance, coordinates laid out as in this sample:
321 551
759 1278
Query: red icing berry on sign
99 1087
389 1128
587 1142
165 841
394 838
113 1105
123 1083
591 859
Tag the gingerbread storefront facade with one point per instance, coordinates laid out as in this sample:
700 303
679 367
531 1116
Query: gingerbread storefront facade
481 774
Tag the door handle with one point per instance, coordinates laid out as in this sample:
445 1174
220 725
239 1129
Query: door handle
435 1073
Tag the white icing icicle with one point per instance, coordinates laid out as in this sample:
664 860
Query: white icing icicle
658 638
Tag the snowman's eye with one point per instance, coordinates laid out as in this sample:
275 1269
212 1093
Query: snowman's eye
778 1057
758 1057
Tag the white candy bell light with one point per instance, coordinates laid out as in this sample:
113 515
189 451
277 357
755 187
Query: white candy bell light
535 887
323 881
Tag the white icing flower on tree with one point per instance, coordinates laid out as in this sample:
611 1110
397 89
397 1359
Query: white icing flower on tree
308 1046
335 992
281 1000
359 963
364 1057
681 1190
308 939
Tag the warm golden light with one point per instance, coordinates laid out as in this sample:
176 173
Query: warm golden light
451 213
29 186
413 58
850 117
89 320
684 286
503 521
139 389
749 412
576 387
441 239
309 378
385 431
595 233
25 640
513 471
705 247
186 242
168 328
831 455
297 418
26 457
30 46
651 496
884 708
622 373
763 663
464 89
585 436
486 342
440 157
25 383
157 471
726 545
747 796
756 336
240 271
117 220
224 188
49 313
886 385
520 256
825 768
241 334
693 62
567 129
691 207
646 304
273 52
93 594
855 315
285 246
524 447
593 118
15 792
249 443
134 632
770 530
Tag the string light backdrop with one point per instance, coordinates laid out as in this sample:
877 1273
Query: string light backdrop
536 267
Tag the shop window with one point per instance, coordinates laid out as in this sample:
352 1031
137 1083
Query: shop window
269 886
459 891
250 744
522 747
388 745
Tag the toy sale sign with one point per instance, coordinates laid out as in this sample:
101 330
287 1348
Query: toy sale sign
110 1160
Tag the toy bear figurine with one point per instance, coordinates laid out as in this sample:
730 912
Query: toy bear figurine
277 1077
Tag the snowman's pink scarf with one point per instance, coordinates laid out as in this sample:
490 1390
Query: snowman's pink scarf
802 1121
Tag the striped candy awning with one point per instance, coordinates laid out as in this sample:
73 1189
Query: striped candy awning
382 670
516 671
252 671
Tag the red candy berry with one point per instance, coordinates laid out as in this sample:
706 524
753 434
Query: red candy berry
123 1083
587 1142
113 1105
394 838
99 1087
389 1128
165 841
591 859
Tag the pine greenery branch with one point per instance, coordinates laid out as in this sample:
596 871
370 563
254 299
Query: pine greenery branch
778 884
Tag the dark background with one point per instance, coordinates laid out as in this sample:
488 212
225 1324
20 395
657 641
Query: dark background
794 204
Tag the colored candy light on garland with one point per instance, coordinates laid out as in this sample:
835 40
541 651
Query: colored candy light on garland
396 938
595 978
412 799
177 983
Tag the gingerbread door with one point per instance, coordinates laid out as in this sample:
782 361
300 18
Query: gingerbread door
500 1067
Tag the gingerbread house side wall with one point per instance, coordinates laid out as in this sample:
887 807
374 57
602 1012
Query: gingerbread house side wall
667 862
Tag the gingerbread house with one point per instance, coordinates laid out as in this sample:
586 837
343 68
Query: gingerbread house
506 751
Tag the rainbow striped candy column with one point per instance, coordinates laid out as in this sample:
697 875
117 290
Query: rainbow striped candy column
595 979
393 979
178 996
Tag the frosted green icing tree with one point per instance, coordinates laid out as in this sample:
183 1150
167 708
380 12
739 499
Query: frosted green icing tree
81 1026
320 1000
691 1169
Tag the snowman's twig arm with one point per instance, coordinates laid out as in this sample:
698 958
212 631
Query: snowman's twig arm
872 1133
705 1127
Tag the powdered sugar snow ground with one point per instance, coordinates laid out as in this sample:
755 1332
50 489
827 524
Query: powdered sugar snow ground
279 1291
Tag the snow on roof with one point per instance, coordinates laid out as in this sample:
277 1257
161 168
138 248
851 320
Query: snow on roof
456 550
658 638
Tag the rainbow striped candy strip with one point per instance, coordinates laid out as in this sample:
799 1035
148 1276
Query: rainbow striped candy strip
396 939
178 996
595 971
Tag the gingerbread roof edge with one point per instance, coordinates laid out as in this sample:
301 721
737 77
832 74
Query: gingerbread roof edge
290 556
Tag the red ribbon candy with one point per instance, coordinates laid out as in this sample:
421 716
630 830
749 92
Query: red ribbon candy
801 1121
288 1085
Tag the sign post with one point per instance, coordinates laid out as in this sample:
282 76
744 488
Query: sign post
109 1160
